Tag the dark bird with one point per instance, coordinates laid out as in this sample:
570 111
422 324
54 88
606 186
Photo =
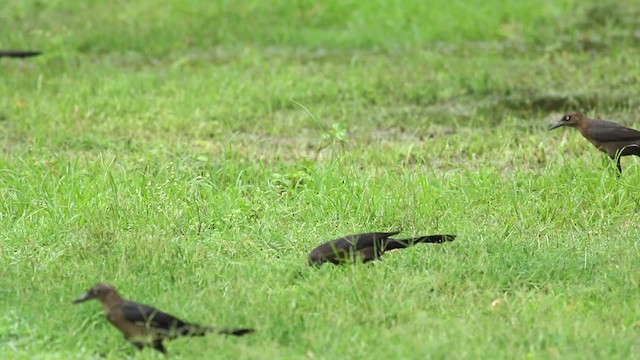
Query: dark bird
19 53
143 325
366 247
609 137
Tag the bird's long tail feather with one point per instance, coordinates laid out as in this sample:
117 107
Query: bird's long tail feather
403 243
197 330
18 53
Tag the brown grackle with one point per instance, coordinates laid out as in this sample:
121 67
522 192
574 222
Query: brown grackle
366 247
609 137
143 325
19 53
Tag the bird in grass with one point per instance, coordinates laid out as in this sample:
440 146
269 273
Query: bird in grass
613 139
366 247
143 325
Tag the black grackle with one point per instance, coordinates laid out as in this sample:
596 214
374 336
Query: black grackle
366 247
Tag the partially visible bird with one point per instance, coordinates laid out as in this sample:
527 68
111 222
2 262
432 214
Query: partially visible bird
366 247
613 139
143 325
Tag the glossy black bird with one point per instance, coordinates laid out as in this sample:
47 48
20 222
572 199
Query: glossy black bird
366 247
143 325
613 139
19 53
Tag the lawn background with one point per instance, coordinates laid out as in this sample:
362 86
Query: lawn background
192 153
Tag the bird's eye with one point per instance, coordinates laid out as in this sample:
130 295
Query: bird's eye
566 118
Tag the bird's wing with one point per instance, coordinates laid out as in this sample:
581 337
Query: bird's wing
144 314
338 250
362 241
605 131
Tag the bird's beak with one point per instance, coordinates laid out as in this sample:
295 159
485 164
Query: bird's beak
557 124
83 298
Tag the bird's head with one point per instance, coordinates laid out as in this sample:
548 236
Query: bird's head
572 120
100 291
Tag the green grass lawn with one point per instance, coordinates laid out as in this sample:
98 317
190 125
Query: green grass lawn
192 154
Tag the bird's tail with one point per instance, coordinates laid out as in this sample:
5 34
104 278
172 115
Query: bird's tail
197 330
234 332
19 53
403 243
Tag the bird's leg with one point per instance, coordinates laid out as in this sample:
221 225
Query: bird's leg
138 345
616 158
157 344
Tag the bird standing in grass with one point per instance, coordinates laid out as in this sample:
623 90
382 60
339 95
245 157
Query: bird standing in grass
366 247
143 325
614 139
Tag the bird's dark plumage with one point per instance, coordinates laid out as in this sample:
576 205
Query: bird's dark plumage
19 53
613 139
144 325
366 247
